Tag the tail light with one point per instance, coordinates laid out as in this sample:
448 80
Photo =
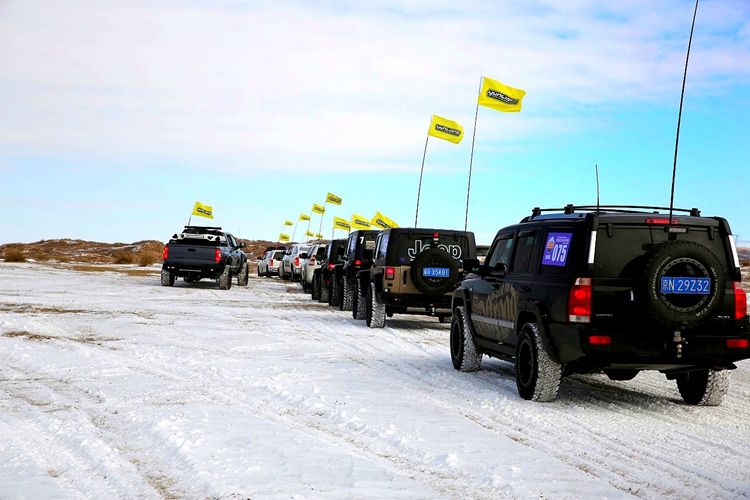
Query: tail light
357 262
312 260
217 256
390 273
271 263
331 266
600 340
296 262
579 301
737 343
740 301
165 253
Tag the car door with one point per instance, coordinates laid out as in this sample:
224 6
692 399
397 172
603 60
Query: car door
485 306
517 284
234 251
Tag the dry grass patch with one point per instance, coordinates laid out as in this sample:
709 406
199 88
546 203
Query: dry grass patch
124 257
148 258
14 255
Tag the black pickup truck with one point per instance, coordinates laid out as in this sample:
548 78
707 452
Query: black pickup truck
204 252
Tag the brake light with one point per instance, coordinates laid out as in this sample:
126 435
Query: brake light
271 263
740 301
357 262
390 273
737 343
296 261
331 266
600 340
165 254
661 221
312 260
217 256
579 301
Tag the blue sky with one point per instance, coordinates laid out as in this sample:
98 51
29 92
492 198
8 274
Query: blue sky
117 117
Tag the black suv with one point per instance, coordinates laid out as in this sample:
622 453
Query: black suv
613 289
323 276
357 255
414 271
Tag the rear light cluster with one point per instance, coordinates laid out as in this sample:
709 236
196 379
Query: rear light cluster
357 262
271 263
661 221
740 301
579 301
737 343
390 273
312 260
217 256
296 262
600 340
165 253
331 266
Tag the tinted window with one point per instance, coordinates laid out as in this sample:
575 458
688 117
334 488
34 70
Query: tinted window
501 252
523 252
352 243
320 253
411 246
383 245
558 242
278 255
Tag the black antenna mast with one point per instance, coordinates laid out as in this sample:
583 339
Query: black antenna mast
596 166
679 116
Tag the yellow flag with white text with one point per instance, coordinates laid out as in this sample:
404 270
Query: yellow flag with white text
304 217
383 222
333 199
203 210
359 222
318 209
339 223
283 237
445 129
495 95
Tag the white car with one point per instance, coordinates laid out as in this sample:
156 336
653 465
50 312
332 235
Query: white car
269 264
314 257
291 264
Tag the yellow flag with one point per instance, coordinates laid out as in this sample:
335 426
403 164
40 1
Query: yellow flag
310 234
382 221
318 209
448 130
359 222
288 223
284 237
304 217
339 223
333 199
203 210
497 96
319 236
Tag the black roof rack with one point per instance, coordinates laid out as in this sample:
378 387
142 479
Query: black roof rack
625 209
203 227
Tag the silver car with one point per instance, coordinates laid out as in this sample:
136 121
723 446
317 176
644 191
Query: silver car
291 264
270 263
314 257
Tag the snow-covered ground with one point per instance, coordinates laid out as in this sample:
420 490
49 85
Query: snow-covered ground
112 386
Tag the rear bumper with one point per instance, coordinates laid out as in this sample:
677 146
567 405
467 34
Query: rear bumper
194 270
416 303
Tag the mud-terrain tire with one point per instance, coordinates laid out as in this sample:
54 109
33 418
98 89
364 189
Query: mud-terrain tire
681 259
703 387
316 287
374 312
243 276
325 292
335 298
260 275
346 295
167 278
464 353
434 257
359 303
225 278
537 375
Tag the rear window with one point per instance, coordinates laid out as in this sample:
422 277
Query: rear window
278 255
558 242
409 247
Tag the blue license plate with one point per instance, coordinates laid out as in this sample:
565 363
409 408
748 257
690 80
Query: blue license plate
686 286
436 272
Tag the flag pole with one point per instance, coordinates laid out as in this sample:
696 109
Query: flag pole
679 115
320 229
295 230
309 221
471 162
421 172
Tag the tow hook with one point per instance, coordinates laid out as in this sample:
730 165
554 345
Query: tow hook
678 340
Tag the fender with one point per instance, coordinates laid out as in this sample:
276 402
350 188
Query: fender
461 294
378 280
539 310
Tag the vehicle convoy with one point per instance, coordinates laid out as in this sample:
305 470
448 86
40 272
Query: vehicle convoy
291 264
204 252
613 289
414 271
358 252
269 263
315 257
323 276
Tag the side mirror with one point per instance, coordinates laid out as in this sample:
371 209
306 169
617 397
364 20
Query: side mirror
367 254
242 244
303 255
471 265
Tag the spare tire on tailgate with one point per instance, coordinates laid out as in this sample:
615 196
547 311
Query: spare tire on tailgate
436 284
682 282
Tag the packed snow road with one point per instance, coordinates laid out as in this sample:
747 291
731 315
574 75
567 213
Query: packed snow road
112 386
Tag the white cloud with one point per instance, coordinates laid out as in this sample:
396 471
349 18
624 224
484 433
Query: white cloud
292 85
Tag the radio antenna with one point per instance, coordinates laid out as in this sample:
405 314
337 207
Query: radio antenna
596 166
679 115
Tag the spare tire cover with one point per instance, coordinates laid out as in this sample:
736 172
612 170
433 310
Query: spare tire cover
681 259
435 258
